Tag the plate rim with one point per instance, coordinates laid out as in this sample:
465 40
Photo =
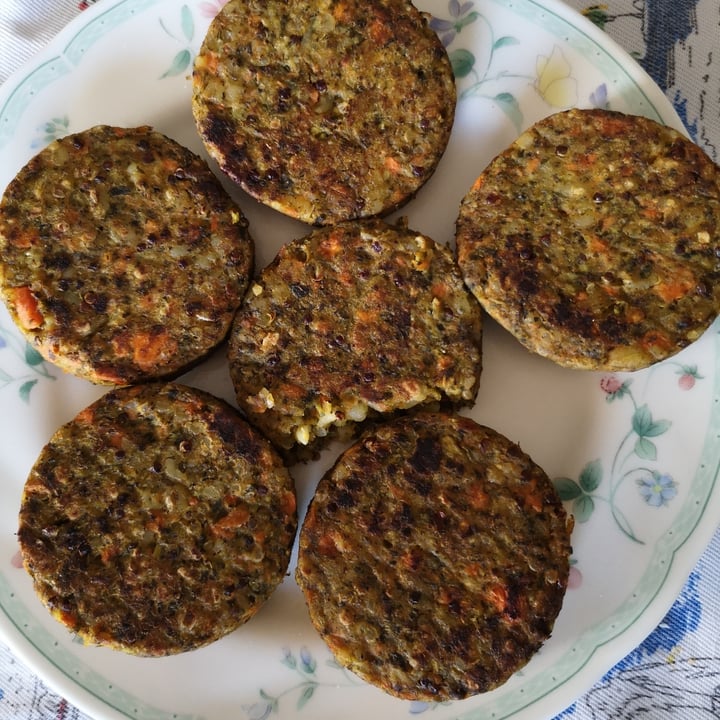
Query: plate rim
691 546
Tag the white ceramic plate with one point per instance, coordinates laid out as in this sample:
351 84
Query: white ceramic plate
636 455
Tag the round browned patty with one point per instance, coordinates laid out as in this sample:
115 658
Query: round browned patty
157 520
595 240
122 259
326 111
357 320
434 557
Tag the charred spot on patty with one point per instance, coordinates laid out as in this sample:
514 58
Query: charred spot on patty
281 102
112 258
593 240
168 546
436 567
353 322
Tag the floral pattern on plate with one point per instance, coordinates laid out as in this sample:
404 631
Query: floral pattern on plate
552 80
536 61
21 365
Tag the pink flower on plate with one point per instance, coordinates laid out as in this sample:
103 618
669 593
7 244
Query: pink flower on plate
210 8
610 384
688 375
614 387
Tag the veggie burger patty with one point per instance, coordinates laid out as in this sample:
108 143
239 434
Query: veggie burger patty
355 320
157 520
326 111
595 240
434 557
122 259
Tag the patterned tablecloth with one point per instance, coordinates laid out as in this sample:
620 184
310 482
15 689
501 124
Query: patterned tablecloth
675 672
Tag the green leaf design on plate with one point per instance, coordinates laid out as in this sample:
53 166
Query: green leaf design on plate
583 508
504 41
644 425
306 694
308 664
32 356
179 64
467 20
289 660
183 58
187 23
25 389
591 476
585 493
508 103
567 489
34 362
581 492
645 449
462 62
304 668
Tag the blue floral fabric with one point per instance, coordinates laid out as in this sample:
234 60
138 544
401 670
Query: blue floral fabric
677 43
675 672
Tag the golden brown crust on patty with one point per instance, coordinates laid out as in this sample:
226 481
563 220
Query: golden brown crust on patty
355 320
595 240
122 258
326 111
157 520
434 557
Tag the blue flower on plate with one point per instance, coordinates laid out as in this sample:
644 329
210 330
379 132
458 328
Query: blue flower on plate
307 661
657 489
461 16
599 97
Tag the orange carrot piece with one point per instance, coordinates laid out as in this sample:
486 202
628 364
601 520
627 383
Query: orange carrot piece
497 595
675 287
148 348
287 503
392 165
226 526
26 307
